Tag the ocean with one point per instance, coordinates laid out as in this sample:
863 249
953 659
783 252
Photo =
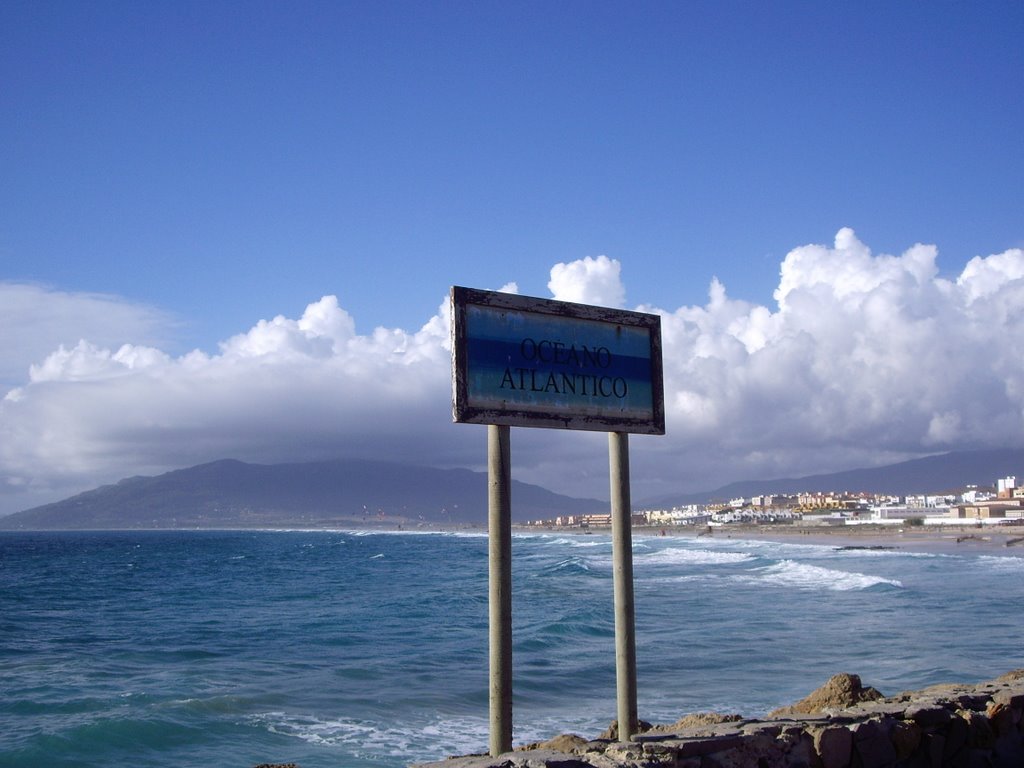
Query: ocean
360 649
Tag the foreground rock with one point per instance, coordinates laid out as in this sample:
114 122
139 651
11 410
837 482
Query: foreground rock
841 725
840 692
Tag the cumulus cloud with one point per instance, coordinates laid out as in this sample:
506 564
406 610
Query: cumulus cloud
285 390
865 358
862 359
35 320
588 281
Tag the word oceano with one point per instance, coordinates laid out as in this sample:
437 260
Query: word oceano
564 383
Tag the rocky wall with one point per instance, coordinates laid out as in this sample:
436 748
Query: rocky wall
841 725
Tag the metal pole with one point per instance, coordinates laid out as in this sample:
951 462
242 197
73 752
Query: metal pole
622 568
499 522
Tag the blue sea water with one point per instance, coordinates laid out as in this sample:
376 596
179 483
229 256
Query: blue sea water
370 649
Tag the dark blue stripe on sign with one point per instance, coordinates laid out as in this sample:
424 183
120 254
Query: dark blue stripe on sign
491 354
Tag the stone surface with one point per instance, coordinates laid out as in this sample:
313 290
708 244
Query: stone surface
840 692
871 743
834 746
949 725
566 742
906 738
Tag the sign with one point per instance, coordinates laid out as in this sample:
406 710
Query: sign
528 362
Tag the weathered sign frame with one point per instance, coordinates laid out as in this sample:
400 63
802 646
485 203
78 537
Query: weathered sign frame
528 362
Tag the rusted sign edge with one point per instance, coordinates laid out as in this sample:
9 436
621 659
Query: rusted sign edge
462 412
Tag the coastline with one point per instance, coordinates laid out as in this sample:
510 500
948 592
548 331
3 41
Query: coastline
1003 540
840 725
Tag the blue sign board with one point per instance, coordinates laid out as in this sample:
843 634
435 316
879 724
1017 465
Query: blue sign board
522 361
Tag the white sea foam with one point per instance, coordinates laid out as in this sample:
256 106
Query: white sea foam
562 540
316 730
789 573
1002 564
590 543
691 578
368 740
566 542
431 741
571 563
776 550
676 556
895 552
402 532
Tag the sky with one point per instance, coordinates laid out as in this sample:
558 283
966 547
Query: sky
230 230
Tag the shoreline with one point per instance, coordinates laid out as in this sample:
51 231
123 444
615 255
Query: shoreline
1001 540
841 724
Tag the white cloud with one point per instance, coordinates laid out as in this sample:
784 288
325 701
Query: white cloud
35 320
588 281
322 332
285 390
864 359
987 277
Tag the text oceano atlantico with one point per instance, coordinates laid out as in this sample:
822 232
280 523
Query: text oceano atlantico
585 374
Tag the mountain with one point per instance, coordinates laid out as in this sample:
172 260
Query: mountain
930 475
231 493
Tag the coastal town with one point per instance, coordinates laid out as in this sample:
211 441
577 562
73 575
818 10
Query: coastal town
1001 503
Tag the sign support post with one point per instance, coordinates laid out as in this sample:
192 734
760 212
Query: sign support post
622 571
499 524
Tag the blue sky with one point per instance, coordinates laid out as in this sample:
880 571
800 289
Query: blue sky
174 174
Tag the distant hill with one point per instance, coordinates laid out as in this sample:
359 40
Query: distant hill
931 475
232 493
